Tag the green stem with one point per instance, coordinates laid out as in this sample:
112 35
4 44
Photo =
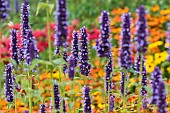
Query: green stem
124 91
139 88
105 101
30 92
50 56
16 101
74 103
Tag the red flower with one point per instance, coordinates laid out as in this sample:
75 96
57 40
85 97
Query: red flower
15 26
94 34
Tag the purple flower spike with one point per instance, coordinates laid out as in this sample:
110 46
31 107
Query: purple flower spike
156 78
14 46
64 106
16 2
103 43
65 58
25 27
108 72
161 103
26 111
61 31
57 97
9 83
87 101
75 47
31 48
42 108
111 103
144 82
3 9
84 66
125 54
71 67
144 103
142 31
168 40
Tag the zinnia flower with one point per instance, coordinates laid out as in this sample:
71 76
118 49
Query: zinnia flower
103 43
9 83
14 46
61 31
142 31
87 101
84 66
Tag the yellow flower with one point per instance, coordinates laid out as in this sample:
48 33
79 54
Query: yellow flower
168 69
160 57
150 67
149 59
96 93
56 75
101 106
155 44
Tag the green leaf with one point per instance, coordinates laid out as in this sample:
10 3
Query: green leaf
41 4
14 63
51 7
59 61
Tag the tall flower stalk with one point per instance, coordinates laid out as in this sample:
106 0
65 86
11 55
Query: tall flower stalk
141 43
103 43
125 54
84 66
75 47
87 100
168 40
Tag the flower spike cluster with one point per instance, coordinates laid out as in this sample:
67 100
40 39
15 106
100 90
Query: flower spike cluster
125 54
14 46
57 97
3 9
87 101
156 78
75 47
42 108
31 48
142 31
71 67
25 28
84 66
9 83
61 31
103 43
168 40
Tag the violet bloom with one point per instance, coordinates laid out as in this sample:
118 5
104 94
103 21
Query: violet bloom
71 67
142 31
161 103
57 97
14 46
75 48
25 27
144 82
16 2
108 72
87 101
61 31
156 78
31 48
125 54
111 103
144 103
84 66
26 111
3 9
65 58
9 83
168 40
103 43
64 106
42 108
